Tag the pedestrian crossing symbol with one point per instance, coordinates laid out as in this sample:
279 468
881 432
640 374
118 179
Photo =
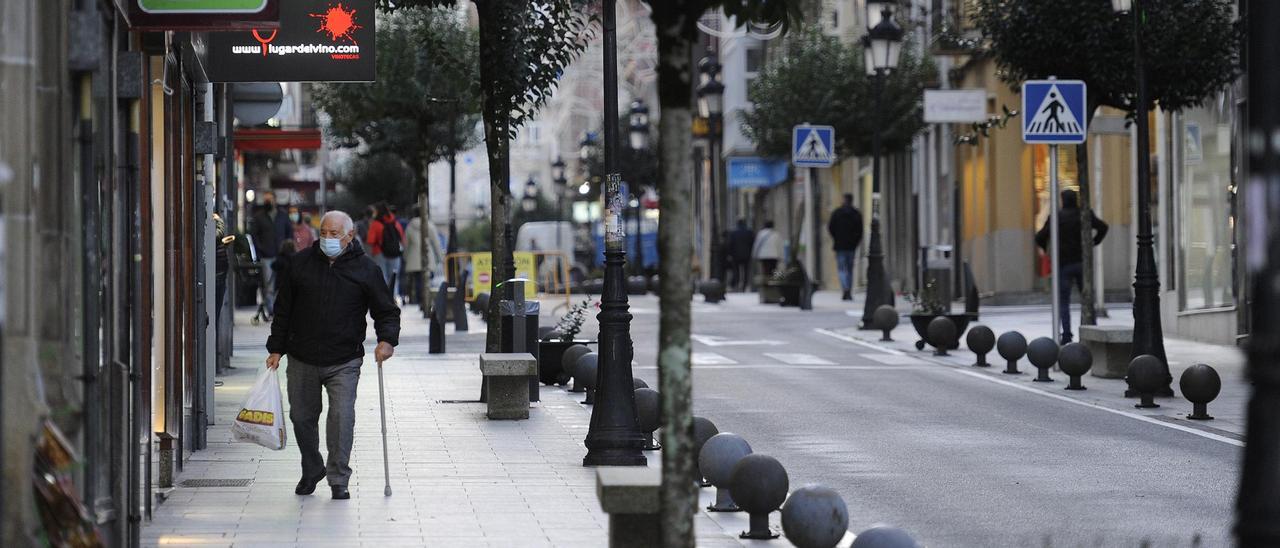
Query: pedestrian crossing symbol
813 146
1053 111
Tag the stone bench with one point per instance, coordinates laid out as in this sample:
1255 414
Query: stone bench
1112 348
506 381
630 497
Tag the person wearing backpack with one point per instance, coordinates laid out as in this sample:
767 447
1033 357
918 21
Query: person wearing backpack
386 243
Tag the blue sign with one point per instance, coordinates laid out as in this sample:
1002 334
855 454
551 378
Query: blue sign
752 172
813 146
1053 112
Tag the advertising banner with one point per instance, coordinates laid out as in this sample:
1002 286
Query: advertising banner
203 15
317 41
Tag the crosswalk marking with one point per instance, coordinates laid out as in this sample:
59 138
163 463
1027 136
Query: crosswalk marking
711 358
798 359
891 359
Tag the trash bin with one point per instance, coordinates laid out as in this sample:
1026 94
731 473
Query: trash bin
506 309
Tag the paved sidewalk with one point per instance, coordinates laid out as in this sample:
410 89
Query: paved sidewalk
458 478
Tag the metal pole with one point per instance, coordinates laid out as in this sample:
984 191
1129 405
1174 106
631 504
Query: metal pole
1053 242
1257 508
1147 335
614 437
878 291
717 261
452 246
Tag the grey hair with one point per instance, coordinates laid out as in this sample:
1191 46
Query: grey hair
347 224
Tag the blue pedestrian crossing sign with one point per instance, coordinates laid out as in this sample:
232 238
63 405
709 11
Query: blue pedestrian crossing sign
1053 112
813 146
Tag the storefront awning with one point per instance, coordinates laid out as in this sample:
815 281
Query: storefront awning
272 139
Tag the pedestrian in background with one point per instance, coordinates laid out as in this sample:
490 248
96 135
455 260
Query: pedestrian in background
767 250
411 287
845 227
269 227
386 243
303 234
741 240
320 325
1070 265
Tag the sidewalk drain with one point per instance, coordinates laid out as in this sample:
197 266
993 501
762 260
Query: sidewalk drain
215 482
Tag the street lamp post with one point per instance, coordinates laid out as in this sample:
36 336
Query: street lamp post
710 103
614 437
1148 338
881 46
639 133
560 181
530 200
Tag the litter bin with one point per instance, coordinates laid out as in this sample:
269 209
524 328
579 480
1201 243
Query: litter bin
506 309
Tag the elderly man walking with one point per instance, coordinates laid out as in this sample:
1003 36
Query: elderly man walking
320 325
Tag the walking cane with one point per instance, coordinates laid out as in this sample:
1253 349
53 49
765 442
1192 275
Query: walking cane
382 405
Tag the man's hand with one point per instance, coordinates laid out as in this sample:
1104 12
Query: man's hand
383 352
273 361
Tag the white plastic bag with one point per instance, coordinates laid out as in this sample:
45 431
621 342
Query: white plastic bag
261 418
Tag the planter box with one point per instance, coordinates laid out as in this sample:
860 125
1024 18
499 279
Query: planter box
549 354
770 293
921 323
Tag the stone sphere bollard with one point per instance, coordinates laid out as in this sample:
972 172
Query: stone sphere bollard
716 461
637 285
942 335
569 363
703 430
1012 346
759 484
712 290
885 318
480 305
1146 376
815 517
1042 353
1075 360
586 370
648 415
980 340
883 536
1200 384
654 282
638 383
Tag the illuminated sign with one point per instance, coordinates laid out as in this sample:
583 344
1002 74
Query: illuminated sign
317 41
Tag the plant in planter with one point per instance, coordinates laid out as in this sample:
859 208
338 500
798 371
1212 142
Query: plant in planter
560 338
927 305
789 281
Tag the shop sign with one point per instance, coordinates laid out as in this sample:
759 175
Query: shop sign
203 15
317 41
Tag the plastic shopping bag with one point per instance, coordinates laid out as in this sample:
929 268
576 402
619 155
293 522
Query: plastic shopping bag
261 418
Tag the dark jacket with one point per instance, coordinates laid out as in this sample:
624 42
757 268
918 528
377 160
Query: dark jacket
268 230
845 227
281 267
740 242
321 307
1069 235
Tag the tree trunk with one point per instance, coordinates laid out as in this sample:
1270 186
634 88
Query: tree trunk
679 495
1088 313
496 133
424 208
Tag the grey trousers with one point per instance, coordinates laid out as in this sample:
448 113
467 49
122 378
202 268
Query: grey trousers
305 383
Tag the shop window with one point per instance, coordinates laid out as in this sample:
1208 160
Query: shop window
1204 225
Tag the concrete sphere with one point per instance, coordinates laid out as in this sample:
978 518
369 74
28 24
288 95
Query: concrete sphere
1042 352
481 303
815 517
942 333
638 383
885 317
1146 374
719 455
758 484
586 370
1200 383
980 339
703 430
569 360
883 536
637 285
1075 359
648 409
1011 345
653 283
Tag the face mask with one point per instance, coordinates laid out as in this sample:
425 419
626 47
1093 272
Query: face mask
293 217
331 246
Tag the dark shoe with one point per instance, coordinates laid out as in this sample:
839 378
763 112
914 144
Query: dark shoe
846 296
306 485
340 492
1065 340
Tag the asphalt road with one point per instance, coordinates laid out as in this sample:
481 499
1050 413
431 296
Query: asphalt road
956 459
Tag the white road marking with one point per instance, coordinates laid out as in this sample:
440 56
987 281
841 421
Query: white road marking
714 340
1136 416
892 359
799 359
858 341
923 367
711 358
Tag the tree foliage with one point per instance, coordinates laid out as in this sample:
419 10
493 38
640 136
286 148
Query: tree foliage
1191 47
821 80
374 178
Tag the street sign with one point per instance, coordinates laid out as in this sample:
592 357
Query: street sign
813 146
753 172
943 106
202 6
1053 112
203 15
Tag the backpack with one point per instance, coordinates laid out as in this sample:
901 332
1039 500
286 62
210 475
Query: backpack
391 239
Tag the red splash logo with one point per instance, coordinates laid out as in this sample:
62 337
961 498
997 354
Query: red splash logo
338 23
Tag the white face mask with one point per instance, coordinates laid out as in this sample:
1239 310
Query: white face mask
331 246
293 217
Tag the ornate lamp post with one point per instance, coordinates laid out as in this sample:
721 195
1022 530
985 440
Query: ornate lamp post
710 106
881 47
614 437
639 134
560 181
1148 337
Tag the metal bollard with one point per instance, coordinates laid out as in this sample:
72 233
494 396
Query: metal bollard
942 335
980 340
885 318
815 517
759 485
648 415
716 461
587 370
569 365
435 336
638 383
1075 360
1042 353
1012 346
883 536
703 430
1146 376
1200 384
